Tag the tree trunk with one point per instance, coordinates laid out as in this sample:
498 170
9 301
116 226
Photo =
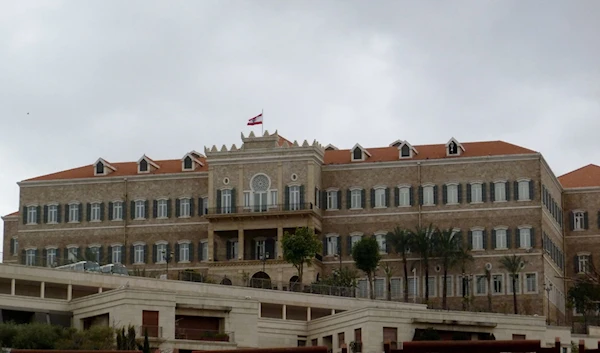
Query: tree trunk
514 288
405 278
389 288
371 286
426 282
489 279
444 288
300 274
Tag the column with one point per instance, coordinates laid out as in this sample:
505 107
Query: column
310 184
308 314
13 285
241 244
279 242
259 310
332 312
211 243
99 289
280 193
42 289
69 292
240 187
284 311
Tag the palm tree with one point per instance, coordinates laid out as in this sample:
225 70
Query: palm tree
422 242
488 277
513 265
446 248
463 257
389 272
400 240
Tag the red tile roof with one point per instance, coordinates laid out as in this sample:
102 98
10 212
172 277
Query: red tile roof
588 176
388 154
12 214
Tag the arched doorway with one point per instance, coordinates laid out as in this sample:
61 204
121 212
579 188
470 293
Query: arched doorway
295 285
226 281
260 280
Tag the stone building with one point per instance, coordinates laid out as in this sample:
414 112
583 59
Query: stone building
223 213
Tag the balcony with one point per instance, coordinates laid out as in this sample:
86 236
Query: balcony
153 331
202 335
263 211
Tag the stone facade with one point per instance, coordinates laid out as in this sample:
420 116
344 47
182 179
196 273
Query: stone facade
517 210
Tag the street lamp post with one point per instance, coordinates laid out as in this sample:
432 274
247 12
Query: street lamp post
167 256
548 289
466 279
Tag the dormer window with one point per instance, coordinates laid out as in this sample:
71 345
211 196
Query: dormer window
187 163
99 168
405 151
454 148
359 153
143 166
102 167
191 161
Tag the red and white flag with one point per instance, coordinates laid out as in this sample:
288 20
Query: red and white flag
257 120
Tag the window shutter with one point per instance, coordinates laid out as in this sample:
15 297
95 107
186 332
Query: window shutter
516 190
145 254
23 255
507 191
483 192
102 211
349 245
411 197
65 256
67 213
387 197
444 194
494 241
58 213
363 199
586 224
317 197
339 199
124 210
532 237
459 238
44 261
372 198
459 192
88 212
200 258
169 207
435 195
12 246
228 254
492 192
286 198
421 195
531 190
324 200
154 253
132 209
470 240
45 214
177 208
101 255
200 207
572 220
131 254
154 208
469 193
191 251
339 246
218 202
397 199
24 215
484 239
233 204
80 211
325 246
109 257
192 206
302 198
348 199
576 263
110 211
518 238
508 239
146 211
176 255
57 261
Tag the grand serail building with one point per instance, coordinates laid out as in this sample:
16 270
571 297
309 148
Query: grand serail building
223 213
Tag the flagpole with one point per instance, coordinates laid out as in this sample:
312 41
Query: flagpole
261 125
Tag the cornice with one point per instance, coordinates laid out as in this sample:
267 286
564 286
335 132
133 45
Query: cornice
114 179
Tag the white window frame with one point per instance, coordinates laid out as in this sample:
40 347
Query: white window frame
247 199
380 199
413 286
15 249
273 200
479 231
428 195
362 153
523 189
51 258
294 197
525 234
476 192
477 280
95 212
404 196
432 286
185 210
116 253
226 198
526 282
500 189
396 288
355 238
355 198
138 253
32 214
117 210
583 262
204 205
333 204
72 255
95 249
380 237
140 209
184 251
452 190
502 284
578 220
74 212
161 252
30 255
379 288
449 285
204 245
332 244
161 208
53 213
509 289
499 231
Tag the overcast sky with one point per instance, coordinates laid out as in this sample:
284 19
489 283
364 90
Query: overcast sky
116 79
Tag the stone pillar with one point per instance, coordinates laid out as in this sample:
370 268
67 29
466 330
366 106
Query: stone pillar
211 244
310 184
284 311
241 244
280 194
332 312
13 286
259 310
240 187
42 289
308 314
279 242
99 289
69 292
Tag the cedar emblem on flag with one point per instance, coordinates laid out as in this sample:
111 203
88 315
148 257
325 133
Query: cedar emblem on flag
257 120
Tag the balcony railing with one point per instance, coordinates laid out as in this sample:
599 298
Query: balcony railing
261 209
202 335
153 331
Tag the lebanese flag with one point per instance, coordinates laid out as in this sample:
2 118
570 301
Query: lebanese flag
257 120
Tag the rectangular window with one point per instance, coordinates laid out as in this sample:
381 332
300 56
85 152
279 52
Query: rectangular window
477 236
226 206
404 197
184 252
95 250
380 200
531 282
523 190
117 211
463 286
431 283
15 249
362 289
138 254
184 208
583 261
247 199
140 209
413 286
498 284
356 239
500 191
32 215
381 242
205 205
428 196
53 214
161 253
117 254
476 193
30 257
51 258
73 254
579 218
379 288
332 200
95 212
480 285
161 209
452 194
517 284
501 239
233 249
261 250
449 284
396 288
74 213
525 238
204 251
355 198
332 247
273 198
294 197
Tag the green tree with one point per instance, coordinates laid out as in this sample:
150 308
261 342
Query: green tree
463 259
299 248
366 257
446 245
513 265
400 240
584 297
422 239
146 347
389 272
488 277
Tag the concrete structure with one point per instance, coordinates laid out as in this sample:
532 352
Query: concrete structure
246 317
223 214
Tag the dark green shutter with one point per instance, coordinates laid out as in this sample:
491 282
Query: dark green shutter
57 258
469 193
515 190
492 192
102 211
191 251
444 195
24 215
396 196
531 190
586 224
435 195
88 212
470 240
411 197
507 191
58 213
45 214
339 199
124 210
132 254
286 198
532 237
219 201
145 254
233 202
483 192
154 208
109 257
169 207
192 207
518 238
421 195
132 209
387 197
348 199
324 199
302 199
176 255
363 198
146 210
484 241
155 253
459 192
508 239
12 246
372 198
101 255
349 245
44 261
177 208
494 242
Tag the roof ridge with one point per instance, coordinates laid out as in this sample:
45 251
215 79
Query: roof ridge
578 169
